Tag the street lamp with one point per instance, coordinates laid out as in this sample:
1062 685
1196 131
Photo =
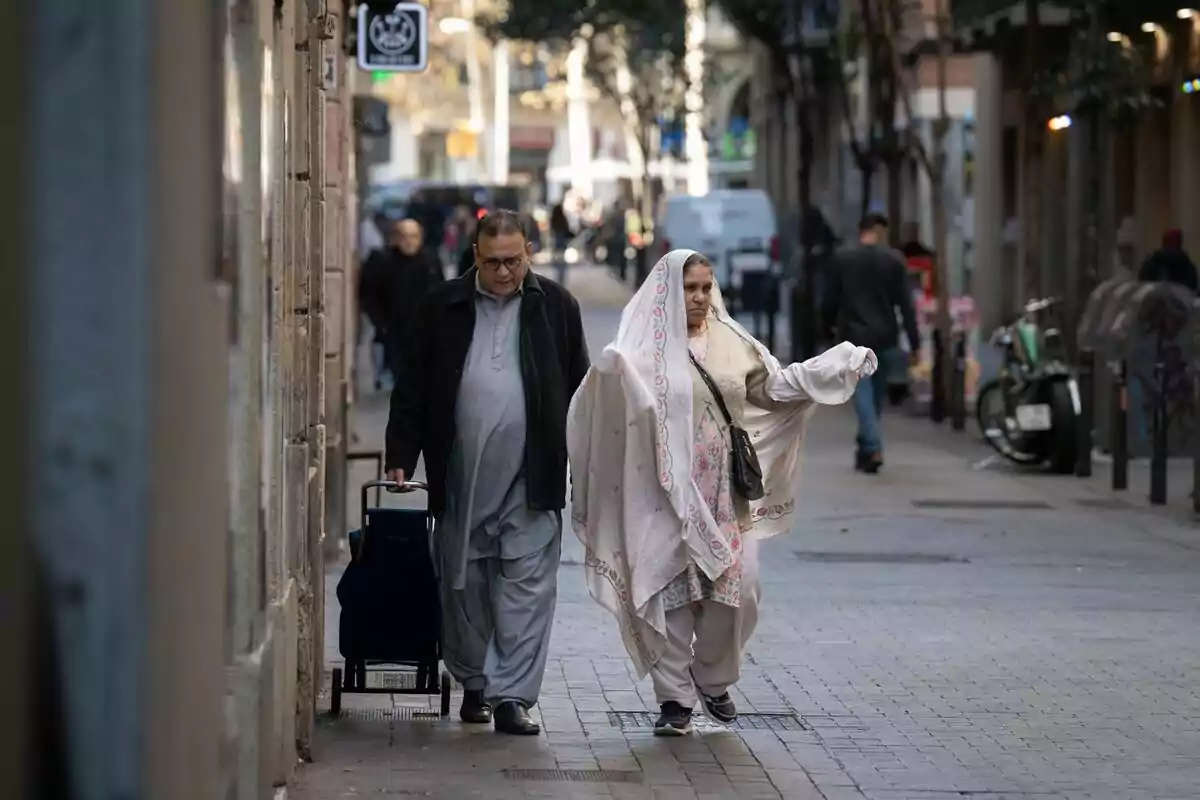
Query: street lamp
1187 13
1059 123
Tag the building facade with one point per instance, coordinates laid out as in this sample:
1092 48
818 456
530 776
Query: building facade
186 395
729 129
1147 180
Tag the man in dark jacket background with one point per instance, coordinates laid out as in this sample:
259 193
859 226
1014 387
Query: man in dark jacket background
1170 263
485 377
867 287
394 279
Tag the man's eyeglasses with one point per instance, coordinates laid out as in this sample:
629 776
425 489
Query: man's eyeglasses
494 264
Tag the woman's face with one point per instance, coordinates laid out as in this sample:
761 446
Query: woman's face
697 293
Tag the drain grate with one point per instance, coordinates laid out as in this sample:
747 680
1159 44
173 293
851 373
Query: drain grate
630 720
983 505
396 714
577 775
878 558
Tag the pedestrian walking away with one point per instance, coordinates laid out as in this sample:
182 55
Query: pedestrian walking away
484 381
393 281
670 497
868 285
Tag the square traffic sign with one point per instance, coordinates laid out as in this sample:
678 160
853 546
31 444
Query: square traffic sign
395 40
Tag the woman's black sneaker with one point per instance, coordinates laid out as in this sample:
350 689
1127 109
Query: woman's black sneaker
721 709
675 720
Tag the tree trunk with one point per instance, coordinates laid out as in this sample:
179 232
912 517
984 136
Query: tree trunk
1031 149
937 180
866 174
895 195
809 328
781 92
893 154
645 206
1088 273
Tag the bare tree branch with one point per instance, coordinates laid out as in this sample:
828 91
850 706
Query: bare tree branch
893 14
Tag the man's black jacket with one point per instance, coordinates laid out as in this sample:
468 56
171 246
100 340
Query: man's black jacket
391 285
1170 264
867 285
553 358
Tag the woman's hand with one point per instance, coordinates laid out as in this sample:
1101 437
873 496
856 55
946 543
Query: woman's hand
863 363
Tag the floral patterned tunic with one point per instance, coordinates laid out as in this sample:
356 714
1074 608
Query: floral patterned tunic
741 377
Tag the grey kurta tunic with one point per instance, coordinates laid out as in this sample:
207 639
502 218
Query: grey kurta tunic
499 558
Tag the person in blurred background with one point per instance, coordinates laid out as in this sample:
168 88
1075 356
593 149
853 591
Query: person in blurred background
482 390
1170 263
560 227
868 284
466 257
393 281
670 529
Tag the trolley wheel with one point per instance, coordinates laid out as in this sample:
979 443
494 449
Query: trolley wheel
446 684
335 699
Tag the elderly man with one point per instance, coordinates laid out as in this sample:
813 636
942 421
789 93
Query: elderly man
393 281
485 378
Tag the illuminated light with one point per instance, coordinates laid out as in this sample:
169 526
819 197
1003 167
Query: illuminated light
1149 27
1115 37
1059 123
1187 13
1191 87
452 25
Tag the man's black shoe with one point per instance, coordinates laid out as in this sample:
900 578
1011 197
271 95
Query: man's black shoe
869 463
513 718
475 709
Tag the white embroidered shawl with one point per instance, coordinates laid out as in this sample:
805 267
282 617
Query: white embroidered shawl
629 435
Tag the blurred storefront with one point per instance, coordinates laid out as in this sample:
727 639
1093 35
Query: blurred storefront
529 159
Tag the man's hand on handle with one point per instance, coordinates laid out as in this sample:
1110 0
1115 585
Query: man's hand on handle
396 476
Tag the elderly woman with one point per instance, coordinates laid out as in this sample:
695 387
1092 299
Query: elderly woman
684 443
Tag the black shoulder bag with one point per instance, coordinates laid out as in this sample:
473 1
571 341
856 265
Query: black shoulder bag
745 472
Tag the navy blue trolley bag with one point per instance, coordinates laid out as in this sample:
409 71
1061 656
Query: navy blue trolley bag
391 613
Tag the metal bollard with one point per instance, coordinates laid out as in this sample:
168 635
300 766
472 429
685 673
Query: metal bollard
937 397
1120 428
958 385
1195 448
1158 453
1086 420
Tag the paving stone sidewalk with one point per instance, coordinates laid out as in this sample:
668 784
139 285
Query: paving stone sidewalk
934 632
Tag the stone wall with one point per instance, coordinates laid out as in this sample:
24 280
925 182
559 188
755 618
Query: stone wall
286 90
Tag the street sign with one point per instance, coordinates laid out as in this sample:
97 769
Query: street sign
395 40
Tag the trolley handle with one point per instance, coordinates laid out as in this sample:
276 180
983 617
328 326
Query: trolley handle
391 486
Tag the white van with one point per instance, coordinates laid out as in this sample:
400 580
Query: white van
734 228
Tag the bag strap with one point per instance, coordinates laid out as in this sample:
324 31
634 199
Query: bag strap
712 387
